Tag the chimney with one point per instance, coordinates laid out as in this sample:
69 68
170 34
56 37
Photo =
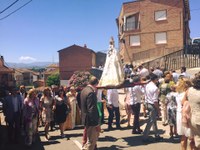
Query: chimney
1 61
85 46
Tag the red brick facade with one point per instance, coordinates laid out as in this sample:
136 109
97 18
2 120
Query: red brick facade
175 26
6 77
75 58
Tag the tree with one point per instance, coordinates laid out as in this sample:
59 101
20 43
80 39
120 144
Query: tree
38 69
53 79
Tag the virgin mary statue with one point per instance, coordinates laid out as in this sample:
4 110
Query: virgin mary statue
112 75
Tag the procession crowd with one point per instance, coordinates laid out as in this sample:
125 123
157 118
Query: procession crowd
173 97
163 94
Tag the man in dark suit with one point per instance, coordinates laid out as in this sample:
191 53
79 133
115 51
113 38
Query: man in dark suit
12 109
90 115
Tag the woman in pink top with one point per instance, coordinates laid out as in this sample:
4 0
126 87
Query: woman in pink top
31 113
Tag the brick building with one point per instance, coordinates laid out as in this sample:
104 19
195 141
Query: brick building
100 59
6 77
75 58
149 29
25 77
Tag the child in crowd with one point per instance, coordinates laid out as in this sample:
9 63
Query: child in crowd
171 110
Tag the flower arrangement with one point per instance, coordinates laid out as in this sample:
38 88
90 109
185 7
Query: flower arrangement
79 79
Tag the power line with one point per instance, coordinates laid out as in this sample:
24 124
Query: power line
9 6
15 10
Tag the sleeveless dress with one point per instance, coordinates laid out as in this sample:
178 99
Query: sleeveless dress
47 114
181 130
61 108
71 117
171 108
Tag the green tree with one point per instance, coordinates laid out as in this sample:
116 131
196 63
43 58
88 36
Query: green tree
53 79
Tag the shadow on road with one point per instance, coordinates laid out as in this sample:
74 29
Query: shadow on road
113 147
6 145
50 142
138 140
107 139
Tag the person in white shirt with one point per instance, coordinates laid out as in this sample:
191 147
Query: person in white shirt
158 72
136 93
184 73
175 76
151 98
113 107
143 72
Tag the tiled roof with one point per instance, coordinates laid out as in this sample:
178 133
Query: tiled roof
74 46
4 69
53 71
53 66
26 70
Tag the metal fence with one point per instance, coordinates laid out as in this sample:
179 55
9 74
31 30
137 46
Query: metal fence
176 60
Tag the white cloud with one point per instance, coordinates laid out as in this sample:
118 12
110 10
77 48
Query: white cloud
26 59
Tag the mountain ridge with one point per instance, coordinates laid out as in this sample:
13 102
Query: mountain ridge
29 65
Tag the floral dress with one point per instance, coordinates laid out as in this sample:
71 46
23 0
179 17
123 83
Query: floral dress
164 90
171 108
31 113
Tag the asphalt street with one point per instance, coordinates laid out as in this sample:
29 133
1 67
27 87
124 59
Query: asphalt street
109 140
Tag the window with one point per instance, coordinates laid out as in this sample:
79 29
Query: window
131 22
160 15
134 40
161 38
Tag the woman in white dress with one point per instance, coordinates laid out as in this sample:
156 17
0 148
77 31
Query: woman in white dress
71 118
184 132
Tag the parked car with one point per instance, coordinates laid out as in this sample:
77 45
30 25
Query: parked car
196 41
194 47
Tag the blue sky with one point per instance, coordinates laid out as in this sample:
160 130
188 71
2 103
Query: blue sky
37 31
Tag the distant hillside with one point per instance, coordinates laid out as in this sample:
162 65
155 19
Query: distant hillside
28 65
